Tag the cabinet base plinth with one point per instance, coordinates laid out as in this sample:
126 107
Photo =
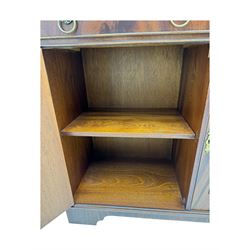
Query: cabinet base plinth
91 214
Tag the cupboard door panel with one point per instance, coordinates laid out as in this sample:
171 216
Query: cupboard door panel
56 195
201 193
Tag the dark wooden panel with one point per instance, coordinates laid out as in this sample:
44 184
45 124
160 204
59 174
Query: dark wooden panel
130 183
184 155
194 86
65 75
140 148
145 77
194 89
126 124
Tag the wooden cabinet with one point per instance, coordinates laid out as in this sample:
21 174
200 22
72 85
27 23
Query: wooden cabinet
124 116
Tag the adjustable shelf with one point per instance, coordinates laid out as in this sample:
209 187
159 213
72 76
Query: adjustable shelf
168 124
134 183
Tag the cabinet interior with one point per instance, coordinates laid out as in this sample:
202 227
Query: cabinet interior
129 119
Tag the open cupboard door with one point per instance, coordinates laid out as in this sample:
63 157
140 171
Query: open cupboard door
56 194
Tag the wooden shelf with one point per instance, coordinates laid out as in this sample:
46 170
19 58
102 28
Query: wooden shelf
147 184
169 124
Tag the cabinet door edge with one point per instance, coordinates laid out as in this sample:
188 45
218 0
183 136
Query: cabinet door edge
56 194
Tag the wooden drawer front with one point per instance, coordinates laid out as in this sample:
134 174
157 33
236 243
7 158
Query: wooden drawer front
50 28
120 32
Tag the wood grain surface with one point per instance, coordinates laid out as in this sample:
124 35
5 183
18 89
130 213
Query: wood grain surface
56 194
193 96
125 124
65 75
194 85
140 148
143 77
130 183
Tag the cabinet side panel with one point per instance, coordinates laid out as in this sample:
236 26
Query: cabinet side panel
65 75
56 194
192 102
194 85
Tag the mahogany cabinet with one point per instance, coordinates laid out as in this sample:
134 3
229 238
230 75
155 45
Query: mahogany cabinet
124 120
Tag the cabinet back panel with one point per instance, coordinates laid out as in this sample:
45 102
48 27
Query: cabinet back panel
142 77
105 147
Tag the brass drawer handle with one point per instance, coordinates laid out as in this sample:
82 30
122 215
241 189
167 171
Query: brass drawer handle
67 22
179 25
